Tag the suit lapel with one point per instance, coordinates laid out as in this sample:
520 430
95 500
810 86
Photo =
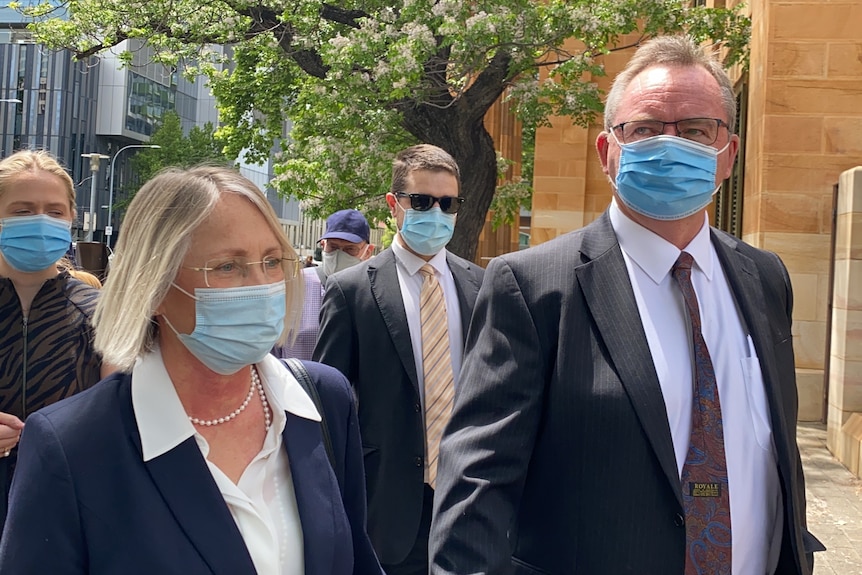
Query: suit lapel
747 288
314 484
383 278
182 477
606 286
467 288
187 486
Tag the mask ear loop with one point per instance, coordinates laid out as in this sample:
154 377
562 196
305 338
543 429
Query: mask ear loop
170 325
194 297
722 150
167 321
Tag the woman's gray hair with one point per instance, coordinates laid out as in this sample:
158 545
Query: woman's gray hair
671 51
156 236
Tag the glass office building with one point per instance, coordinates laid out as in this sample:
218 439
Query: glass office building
48 100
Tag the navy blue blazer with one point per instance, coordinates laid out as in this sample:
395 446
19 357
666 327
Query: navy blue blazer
84 501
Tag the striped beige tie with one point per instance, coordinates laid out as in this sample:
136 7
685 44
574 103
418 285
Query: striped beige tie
437 365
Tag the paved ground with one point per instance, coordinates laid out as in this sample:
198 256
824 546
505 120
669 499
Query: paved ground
834 505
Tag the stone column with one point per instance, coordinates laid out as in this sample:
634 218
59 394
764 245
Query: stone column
844 419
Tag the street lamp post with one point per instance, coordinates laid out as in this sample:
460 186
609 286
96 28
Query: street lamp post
95 160
110 228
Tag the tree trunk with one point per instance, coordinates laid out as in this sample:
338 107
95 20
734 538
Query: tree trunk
478 164
467 140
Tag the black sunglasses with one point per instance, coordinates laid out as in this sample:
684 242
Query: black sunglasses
424 202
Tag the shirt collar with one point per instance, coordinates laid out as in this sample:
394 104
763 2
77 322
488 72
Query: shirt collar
413 263
652 253
292 398
162 421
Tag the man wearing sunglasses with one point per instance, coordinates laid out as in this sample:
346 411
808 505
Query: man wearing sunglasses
376 330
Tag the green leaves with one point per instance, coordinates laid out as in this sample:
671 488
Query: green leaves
334 90
199 147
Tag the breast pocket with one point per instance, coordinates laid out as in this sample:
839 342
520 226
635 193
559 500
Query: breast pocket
758 406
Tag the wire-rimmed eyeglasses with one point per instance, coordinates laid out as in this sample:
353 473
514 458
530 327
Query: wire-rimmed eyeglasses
701 130
232 271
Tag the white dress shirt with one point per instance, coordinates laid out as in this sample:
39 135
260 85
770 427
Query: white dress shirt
410 281
263 503
755 493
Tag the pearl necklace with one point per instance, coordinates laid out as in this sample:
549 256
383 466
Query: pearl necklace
267 412
255 384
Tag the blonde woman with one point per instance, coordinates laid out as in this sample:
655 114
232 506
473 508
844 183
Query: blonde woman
46 347
203 454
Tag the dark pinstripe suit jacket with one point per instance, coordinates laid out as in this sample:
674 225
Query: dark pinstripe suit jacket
559 457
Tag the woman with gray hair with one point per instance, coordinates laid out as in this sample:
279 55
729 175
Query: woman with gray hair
203 454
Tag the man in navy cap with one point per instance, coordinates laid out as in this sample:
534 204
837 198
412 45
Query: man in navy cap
345 244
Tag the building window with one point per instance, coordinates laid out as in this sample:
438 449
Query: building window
43 84
147 103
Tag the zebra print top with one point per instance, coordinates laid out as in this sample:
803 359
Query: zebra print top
49 356
45 358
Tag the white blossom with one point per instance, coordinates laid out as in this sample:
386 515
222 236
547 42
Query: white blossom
339 42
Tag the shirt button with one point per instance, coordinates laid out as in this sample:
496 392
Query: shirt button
679 520
417 408
418 461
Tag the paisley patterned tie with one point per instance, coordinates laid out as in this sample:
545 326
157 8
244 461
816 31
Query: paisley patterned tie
705 495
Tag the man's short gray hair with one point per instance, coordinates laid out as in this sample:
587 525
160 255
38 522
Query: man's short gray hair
671 51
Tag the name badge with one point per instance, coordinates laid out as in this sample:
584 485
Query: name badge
704 489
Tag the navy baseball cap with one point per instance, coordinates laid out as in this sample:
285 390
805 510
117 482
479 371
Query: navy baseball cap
348 225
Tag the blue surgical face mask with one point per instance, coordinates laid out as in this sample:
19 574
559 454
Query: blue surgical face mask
667 177
426 233
34 243
234 327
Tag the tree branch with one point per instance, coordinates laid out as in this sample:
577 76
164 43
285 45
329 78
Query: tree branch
488 86
310 62
263 20
84 54
342 16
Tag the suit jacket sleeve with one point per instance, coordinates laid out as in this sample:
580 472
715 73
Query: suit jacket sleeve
365 560
336 340
42 532
810 543
489 441
339 405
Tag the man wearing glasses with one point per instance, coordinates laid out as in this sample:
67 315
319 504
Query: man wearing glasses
344 244
629 394
395 326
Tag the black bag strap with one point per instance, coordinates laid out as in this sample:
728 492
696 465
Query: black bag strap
301 374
